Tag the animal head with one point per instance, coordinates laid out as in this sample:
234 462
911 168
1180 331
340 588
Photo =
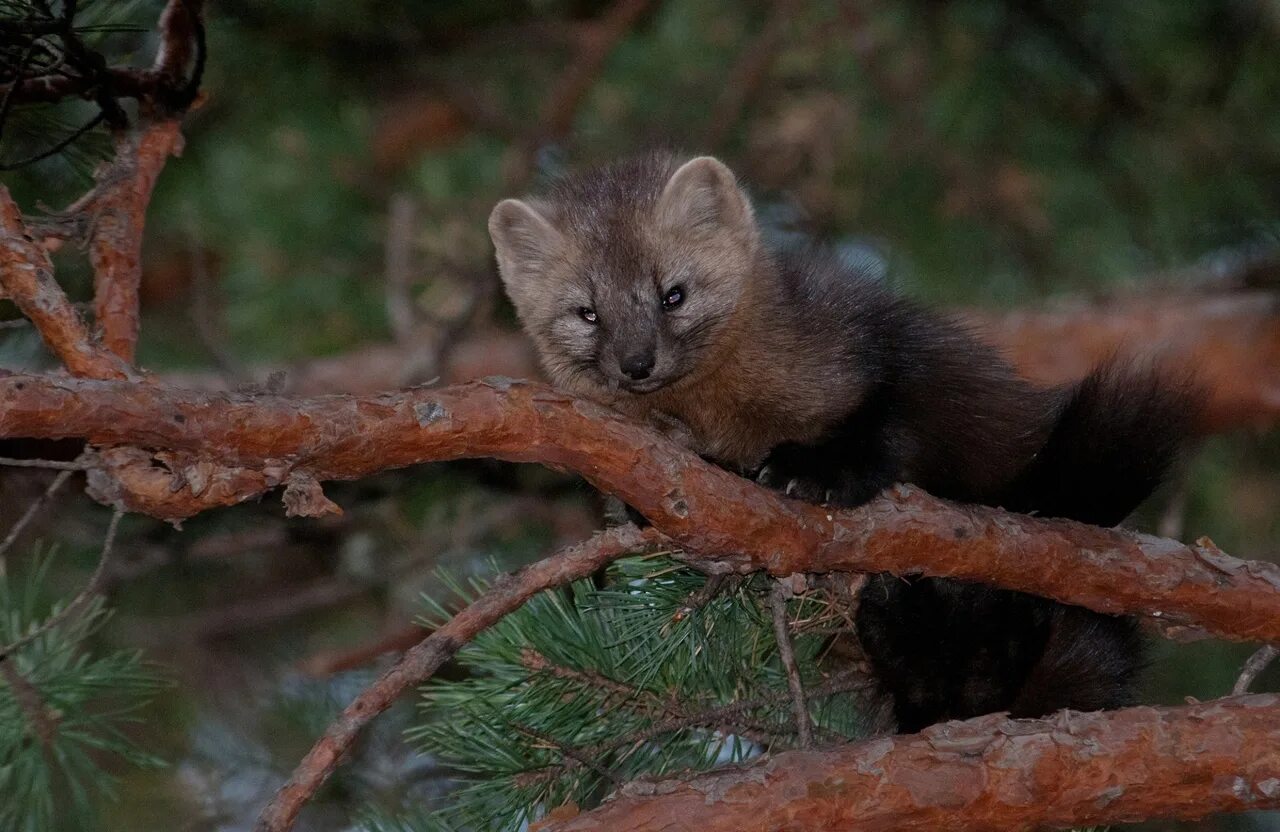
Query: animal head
628 277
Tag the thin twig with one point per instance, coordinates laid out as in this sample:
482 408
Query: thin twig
51 464
84 596
507 594
729 717
778 606
29 515
57 147
706 593
1253 668
748 73
42 720
26 274
619 694
329 663
568 751
571 89
401 219
535 662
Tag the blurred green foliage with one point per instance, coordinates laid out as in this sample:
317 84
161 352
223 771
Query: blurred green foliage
992 150
65 711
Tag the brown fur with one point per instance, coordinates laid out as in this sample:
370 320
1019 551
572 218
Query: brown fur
736 383
802 364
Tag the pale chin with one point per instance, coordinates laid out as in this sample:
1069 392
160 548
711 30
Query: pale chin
640 388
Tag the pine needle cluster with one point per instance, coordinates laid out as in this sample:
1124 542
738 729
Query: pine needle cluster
64 711
660 670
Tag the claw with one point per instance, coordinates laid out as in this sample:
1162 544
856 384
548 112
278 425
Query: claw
792 485
763 474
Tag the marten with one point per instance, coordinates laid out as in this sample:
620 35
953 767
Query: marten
646 285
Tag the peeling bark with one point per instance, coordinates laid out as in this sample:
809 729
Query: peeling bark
118 207
27 277
988 773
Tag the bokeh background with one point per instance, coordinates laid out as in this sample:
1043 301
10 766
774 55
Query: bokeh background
325 229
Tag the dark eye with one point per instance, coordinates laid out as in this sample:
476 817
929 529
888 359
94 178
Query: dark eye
588 314
673 298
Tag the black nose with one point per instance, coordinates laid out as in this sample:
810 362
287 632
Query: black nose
638 367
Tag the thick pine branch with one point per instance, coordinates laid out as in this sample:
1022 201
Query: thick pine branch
722 520
987 773
1229 334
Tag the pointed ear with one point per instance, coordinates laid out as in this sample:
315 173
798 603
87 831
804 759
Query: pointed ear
525 242
704 194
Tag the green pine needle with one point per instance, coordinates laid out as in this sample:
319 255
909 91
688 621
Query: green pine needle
52 767
586 688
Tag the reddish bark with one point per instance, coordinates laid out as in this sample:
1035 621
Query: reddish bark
731 523
1232 338
27 277
507 594
118 207
988 773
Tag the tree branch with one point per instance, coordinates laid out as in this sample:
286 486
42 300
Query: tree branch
507 594
27 278
1230 336
83 597
561 106
1253 668
167 82
27 516
729 523
778 608
117 207
986 773
749 71
43 721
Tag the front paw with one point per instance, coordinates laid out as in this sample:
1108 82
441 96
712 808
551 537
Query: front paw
794 486
675 430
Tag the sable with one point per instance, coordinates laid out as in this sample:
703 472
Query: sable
648 285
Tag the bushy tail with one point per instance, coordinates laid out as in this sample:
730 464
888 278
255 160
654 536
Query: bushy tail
1115 437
